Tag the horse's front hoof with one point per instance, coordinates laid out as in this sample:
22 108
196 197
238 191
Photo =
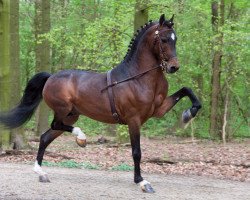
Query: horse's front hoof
146 187
81 142
44 178
186 116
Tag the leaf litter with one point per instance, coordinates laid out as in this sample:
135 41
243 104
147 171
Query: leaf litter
166 156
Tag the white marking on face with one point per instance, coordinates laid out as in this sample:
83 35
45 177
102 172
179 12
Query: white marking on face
80 135
173 36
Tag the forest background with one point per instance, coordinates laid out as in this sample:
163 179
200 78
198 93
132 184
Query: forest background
212 47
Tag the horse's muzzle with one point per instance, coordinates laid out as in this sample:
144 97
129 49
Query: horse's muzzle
172 65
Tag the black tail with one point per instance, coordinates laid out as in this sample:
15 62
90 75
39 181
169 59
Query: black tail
28 104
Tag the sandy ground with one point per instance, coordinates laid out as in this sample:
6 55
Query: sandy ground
17 181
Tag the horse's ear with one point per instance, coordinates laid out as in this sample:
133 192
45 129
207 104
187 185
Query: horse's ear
172 19
170 23
162 19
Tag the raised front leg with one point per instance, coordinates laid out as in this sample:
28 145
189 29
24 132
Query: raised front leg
170 102
134 132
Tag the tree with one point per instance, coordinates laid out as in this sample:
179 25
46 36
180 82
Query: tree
4 65
42 52
141 14
217 23
17 135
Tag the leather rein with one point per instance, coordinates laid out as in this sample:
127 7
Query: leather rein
130 78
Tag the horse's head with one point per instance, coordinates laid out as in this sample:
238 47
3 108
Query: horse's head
164 45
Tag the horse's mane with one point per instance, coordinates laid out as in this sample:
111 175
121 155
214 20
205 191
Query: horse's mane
135 40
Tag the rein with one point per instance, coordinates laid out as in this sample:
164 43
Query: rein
130 78
163 65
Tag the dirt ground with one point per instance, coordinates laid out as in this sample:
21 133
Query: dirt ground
177 169
17 181
166 156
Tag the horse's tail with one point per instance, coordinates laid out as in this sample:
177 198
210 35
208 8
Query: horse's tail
28 104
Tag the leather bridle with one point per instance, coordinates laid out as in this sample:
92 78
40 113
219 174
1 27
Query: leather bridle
163 65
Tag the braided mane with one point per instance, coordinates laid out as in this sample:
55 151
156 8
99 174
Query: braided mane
135 40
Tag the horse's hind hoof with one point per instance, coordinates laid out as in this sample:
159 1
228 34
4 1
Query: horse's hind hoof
186 116
81 142
44 178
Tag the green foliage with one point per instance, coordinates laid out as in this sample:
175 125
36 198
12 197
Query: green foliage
123 167
71 164
122 135
95 35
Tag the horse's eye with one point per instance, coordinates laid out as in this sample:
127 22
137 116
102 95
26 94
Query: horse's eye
165 40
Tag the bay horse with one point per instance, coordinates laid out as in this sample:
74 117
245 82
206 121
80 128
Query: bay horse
131 93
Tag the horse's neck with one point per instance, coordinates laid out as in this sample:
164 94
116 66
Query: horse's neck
143 61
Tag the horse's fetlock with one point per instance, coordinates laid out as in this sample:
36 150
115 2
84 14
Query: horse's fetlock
138 179
53 126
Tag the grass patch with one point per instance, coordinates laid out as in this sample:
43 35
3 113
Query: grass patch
71 164
123 167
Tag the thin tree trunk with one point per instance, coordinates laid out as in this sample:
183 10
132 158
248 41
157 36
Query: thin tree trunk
225 117
62 46
42 26
4 66
141 14
215 115
17 135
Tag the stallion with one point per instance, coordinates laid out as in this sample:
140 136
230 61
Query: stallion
130 94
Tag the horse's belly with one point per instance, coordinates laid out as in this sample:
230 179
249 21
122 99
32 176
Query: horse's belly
96 108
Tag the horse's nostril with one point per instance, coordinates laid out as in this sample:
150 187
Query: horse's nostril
173 69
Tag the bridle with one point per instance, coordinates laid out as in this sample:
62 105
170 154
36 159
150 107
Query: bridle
163 65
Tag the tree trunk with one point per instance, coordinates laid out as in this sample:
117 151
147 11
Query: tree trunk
17 135
4 66
225 116
42 26
141 14
62 50
215 114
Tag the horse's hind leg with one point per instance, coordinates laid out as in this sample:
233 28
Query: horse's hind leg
45 140
60 125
